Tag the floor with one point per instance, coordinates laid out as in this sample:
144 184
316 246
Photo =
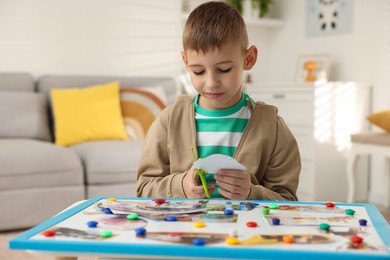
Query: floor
7 254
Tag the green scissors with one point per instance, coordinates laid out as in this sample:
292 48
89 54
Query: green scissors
201 173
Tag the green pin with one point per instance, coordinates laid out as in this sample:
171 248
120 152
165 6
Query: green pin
105 233
133 216
324 226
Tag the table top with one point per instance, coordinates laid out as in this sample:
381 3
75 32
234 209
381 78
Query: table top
305 229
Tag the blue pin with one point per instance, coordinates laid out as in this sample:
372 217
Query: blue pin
199 241
140 231
92 224
228 211
171 218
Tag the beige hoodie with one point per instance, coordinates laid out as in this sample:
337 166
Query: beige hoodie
267 149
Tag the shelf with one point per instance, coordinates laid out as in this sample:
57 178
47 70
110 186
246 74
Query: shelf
263 22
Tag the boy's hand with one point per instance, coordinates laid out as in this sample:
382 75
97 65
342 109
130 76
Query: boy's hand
235 184
191 187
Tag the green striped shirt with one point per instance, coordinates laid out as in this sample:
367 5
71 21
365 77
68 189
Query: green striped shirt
220 131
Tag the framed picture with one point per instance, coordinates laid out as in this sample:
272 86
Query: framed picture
328 17
313 67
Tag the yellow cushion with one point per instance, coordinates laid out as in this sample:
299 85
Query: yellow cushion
381 119
87 114
140 107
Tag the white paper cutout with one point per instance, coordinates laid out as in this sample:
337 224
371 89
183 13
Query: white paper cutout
216 162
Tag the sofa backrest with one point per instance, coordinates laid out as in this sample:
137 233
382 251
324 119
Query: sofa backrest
46 83
16 82
23 112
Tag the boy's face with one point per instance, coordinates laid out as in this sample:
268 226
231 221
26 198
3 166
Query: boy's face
217 74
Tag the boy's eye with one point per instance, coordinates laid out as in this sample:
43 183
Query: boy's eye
200 72
225 70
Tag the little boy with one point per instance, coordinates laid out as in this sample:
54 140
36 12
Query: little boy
221 119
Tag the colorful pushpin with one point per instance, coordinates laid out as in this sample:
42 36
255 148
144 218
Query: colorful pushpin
275 221
132 216
251 224
363 222
325 226
330 204
140 231
265 211
228 211
199 224
49 233
232 241
105 233
107 211
92 224
356 239
288 239
199 241
159 201
171 218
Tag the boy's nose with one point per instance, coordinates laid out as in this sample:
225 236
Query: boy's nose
212 80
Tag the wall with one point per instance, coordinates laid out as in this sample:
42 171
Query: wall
137 37
119 37
362 55
353 54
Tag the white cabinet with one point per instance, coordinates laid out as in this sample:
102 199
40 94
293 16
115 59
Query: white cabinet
321 117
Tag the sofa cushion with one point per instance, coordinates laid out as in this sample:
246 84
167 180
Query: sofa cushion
17 82
87 114
110 161
380 119
27 163
24 114
140 107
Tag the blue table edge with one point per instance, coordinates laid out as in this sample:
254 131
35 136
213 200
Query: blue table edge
23 242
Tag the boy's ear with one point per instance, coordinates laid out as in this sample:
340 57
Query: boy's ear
250 57
184 58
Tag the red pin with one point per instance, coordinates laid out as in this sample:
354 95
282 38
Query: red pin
251 224
330 204
49 233
357 239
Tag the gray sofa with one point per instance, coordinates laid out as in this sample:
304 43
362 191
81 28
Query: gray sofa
38 178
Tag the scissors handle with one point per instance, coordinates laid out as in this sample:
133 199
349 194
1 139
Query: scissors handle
204 183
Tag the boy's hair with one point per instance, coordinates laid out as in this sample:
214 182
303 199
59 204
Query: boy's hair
213 24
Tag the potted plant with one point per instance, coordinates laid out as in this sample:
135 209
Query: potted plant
262 6
237 4
259 6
